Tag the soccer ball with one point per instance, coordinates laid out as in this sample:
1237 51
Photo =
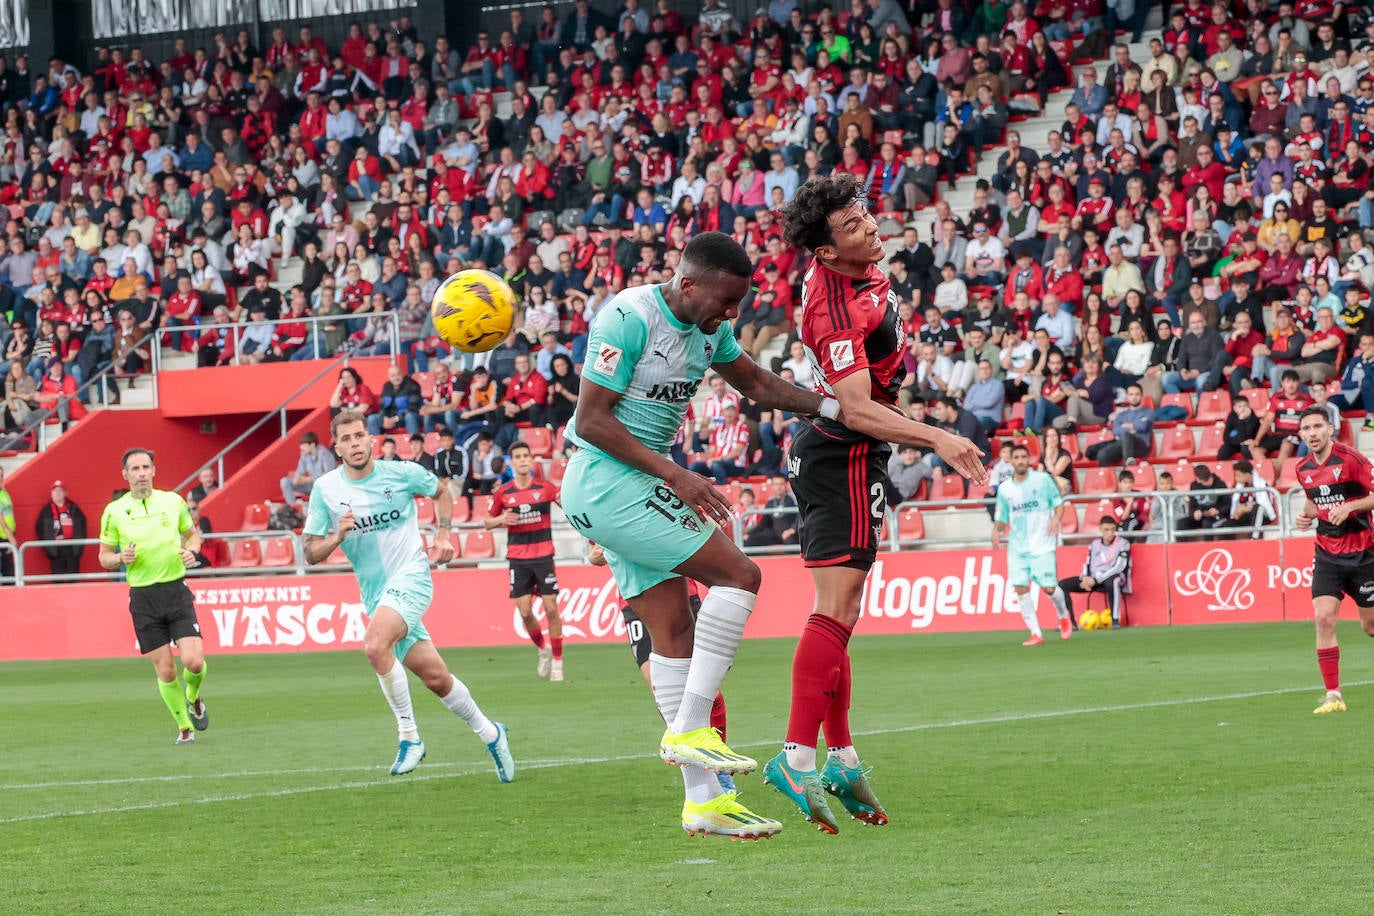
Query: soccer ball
1104 619
473 310
1087 620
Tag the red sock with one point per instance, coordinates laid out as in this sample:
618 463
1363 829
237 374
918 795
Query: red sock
537 636
836 722
1329 660
556 644
815 674
718 714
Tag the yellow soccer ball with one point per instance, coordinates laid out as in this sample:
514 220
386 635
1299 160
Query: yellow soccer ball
1104 619
1087 620
473 310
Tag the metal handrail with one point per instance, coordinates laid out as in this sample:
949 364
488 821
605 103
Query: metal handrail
218 459
38 422
390 319
1170 531
738 532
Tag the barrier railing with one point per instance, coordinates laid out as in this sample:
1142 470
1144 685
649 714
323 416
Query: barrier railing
36 426
390 319
279 412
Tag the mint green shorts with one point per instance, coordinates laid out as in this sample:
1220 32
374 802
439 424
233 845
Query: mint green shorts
645 529
1022 569
409 597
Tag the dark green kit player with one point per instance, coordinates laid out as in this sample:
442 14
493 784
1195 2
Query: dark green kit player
150 533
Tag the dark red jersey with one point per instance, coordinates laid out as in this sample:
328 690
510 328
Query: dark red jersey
532 536
851 325
1344 477
1287 412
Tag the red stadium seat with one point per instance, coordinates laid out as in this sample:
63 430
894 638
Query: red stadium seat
1211 440
256 517
540 441
1258 398
462 511
557 468
1182 472
279 552
977 492
911 526
1068 522
1071 445
1288 475
424 511
1212 406
246 553
431 443
948 488
1144 476
1178 443
1032 444
478 545
1224 470
1016 416
481 507
426 382
1182 399
1099 480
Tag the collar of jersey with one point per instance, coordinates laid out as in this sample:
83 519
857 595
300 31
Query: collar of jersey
667 312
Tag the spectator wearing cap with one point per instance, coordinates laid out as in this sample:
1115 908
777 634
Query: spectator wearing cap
61 520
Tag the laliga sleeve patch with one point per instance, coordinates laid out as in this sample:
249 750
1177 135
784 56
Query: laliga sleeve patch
607 359
842 354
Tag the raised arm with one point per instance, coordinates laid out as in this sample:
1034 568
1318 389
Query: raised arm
767 389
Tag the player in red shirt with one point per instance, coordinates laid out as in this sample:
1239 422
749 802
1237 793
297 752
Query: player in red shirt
524 507
1278 432
1339 482
838 468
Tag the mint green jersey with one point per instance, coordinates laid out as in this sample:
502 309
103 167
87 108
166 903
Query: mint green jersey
1028 508
385 547
639 349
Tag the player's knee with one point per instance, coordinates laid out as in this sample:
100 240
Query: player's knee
746 576
376 649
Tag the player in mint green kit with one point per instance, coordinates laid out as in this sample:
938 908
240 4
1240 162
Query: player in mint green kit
1029 507
368 509
648 352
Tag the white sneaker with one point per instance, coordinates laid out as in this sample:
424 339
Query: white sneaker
545 658
556 670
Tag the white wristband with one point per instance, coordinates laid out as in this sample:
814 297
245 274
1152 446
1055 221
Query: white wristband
830 408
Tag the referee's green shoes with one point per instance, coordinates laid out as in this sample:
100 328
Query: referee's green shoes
703 748
850 786
408 757
725 816
200 716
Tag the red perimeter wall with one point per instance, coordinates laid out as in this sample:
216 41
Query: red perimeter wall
257 389
935 592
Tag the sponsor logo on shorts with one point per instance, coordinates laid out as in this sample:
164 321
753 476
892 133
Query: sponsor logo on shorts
690 524
608 359
1217 579
842 354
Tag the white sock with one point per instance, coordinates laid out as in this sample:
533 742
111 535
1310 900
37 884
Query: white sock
1061 607
460 702
799 756
848 756
719 628
1028 614
669 676
396 689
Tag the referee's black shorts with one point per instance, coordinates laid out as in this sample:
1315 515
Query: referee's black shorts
841 490
163 613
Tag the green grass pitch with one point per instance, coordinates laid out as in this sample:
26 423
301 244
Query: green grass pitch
1158 771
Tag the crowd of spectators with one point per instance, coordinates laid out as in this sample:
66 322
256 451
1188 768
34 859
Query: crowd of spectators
1195 223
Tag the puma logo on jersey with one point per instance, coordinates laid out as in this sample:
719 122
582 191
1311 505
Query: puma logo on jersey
661 355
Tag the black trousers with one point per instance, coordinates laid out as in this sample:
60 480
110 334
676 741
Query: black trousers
1110 586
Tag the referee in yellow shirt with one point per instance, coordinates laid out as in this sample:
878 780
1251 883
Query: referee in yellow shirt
150 532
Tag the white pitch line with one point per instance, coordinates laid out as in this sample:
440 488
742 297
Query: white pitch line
583 761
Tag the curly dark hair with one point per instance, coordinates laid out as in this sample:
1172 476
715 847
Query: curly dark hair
806 220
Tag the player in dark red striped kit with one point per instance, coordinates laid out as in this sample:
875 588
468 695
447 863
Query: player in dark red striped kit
838 469
1339 482
524 508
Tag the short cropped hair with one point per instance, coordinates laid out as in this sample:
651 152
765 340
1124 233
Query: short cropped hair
715 251
344 418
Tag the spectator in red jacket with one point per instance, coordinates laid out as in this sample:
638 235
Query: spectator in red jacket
522 401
